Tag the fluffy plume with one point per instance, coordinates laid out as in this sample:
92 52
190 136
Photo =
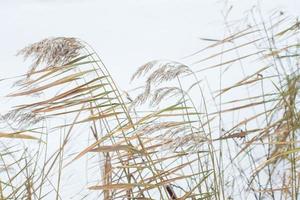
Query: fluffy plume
192 141
163 92
21 119
51 52
166 71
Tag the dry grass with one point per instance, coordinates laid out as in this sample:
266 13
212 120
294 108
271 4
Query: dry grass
194 140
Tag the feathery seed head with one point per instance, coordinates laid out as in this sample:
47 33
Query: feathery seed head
52 52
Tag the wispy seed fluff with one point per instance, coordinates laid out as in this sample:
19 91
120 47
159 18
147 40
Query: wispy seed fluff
51 52
166 71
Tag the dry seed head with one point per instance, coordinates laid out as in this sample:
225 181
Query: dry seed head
161 64
167 71
52 52
175 131
193 141
144 69
139 100
176 135
163 92
22 118
151 128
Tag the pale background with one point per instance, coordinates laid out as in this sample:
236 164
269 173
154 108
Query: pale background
126 33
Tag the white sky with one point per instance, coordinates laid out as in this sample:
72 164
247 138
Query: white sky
125 33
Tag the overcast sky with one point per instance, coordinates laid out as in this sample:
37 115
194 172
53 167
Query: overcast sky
126 33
